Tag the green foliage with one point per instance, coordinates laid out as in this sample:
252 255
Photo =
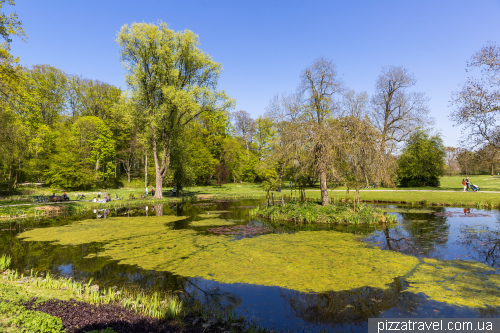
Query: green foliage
422 161
5 262
310 212
30 321
174 82
10 24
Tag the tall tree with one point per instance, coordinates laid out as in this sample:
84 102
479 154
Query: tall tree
396 111
319 85
422 160
174 81
451 160
264 136
477 102
10 24
91 97
301 121
244 126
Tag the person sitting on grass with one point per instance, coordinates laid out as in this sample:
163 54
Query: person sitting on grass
65 197
94 200
53 197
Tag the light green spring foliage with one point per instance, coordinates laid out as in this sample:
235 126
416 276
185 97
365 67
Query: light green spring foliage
456 282
101 230
211 222
317 261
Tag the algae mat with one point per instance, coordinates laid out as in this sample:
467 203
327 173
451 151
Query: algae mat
316 261
457 282
88 231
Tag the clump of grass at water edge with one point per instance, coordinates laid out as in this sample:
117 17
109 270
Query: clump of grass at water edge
154 304
310 212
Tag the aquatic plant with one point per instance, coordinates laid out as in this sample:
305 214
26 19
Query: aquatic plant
240 229
5 262
309 212
456 282
305 261
155 305
101 230
210 222
208 215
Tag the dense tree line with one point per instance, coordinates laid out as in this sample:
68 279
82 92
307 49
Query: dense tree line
173 126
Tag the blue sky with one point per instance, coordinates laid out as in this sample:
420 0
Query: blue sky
264 45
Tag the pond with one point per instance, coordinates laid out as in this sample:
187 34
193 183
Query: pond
435 263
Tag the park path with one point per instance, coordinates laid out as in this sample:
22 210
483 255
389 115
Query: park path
284 190
40 203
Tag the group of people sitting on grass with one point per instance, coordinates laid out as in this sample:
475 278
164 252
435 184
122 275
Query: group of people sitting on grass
105 198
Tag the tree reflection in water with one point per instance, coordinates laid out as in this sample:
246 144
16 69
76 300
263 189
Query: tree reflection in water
419 234
482 243
351 306
214 300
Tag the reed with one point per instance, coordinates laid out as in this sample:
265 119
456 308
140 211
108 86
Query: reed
155 305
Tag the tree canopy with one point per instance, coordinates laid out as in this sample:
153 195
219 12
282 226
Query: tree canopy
422 160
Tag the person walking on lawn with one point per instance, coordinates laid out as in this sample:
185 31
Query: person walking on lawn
152 191
468 183
146 191
464 184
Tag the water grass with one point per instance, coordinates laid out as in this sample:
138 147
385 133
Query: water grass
157 305
311 212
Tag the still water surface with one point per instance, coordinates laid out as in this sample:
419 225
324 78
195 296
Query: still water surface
438 233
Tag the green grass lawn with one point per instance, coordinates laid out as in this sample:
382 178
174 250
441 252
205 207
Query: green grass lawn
450 192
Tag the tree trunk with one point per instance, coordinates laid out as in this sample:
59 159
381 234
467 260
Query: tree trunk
146 169
492 169
161 169
10 176
18 173
324 188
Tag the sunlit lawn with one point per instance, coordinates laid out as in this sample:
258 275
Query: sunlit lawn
429 194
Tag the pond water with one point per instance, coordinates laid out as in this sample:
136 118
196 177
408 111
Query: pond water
435 263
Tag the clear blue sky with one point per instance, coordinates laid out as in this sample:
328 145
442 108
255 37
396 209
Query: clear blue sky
264 45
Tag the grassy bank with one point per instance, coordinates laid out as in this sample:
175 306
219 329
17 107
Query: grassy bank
311 212
46 304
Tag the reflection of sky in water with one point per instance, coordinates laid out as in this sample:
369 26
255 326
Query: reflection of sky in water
447 235
450 237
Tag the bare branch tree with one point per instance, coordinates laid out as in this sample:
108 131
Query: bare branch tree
396 110
244 126
477 103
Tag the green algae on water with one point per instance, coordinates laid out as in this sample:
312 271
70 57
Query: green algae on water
457 282
208 216
211 222
305 261
316 261
101 230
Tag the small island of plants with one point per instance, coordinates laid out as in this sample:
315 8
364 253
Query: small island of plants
311 212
